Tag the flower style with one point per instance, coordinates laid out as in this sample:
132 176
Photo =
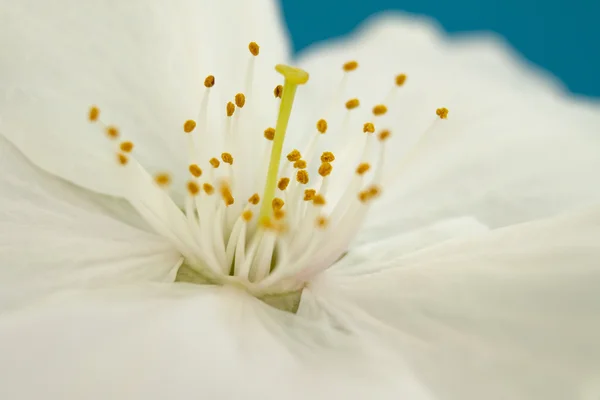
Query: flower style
188 211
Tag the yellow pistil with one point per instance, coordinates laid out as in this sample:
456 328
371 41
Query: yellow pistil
292 78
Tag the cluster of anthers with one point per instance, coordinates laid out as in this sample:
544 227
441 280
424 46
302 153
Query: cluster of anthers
259 225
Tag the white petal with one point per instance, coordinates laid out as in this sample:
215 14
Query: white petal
185 341
143 62
513 314
56 236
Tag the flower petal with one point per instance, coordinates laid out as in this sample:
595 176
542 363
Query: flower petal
56 236
142 62
512 314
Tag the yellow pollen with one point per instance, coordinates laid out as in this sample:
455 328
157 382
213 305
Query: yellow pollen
277 203
112 132
270 133
240 100
318 200
122 158
322 126
195 170
278 214
254 48
300 164
350 66
294 155
227 158
254 199
325 169
369 193
94 114
230 109
208 188
379 109
214 162
374 191
209 81
226 194
327 156
368 127
400 79
302 176
309 194
193 188
442 113
362 168
352 103
189 126
278 91
283 183
292 78
126 147
162 179
322 222
247 215
383 135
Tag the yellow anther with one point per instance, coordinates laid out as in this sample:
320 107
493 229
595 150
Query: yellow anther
195 170
269 133
254 199
384 134
400 79
374 190
442 113
208 188
214 162
309 194
209 81
230 109
126 147
278 215
350 66
322 126
227 158
112 132
265 222
122 159
193 188
240 100
247 215
368 127
94 114
162 179
278 91
325 169
291 74
379 109
327 156
362 168
322 222
302 176
352 103
226 194
277 203
300 164
283 183
369 193
189 126
294 155
319 200
254 48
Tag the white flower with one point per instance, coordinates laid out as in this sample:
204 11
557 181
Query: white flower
455 259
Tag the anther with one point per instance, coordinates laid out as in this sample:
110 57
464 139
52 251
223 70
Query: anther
302 176
189 126
350 66
230 109
278 91
193 188
277 203
325 169
294 155
278 215
227 158
400 79
254 199
319 200
240 100
368 127
208 188
322 222
214 162
362 168
383 135
442 113
379 109
126 147
112 132
226 194
122 158
254 48
352 103
209 81
195 170
162 179
283 183
322 126
309 194
269 133
247 215
300 164
327 156
94 114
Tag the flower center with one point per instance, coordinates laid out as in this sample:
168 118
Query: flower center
227 233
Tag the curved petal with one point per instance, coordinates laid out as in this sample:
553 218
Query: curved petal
184 341
511 314
56 236
514 147
143 63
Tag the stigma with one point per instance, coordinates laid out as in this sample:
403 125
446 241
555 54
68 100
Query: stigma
253 215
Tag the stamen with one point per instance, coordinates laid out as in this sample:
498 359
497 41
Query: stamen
442 113
193 188
322 126
214 162
126 147
352 104
247 215
350 66
368 127
278 91
94 114
227 158
294 155
254 48
325 169
122 158
278 215
309 194
362 168
283 183
230 109
189 126
195 170
112 132
208 188
327 156
319 200
226 194
240 100
209 81
300 164
162 179
322 222
254 199
369 193
302 176
379 109
277 203
400 79
383 135
269 133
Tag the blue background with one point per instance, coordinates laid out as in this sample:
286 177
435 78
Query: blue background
562 36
